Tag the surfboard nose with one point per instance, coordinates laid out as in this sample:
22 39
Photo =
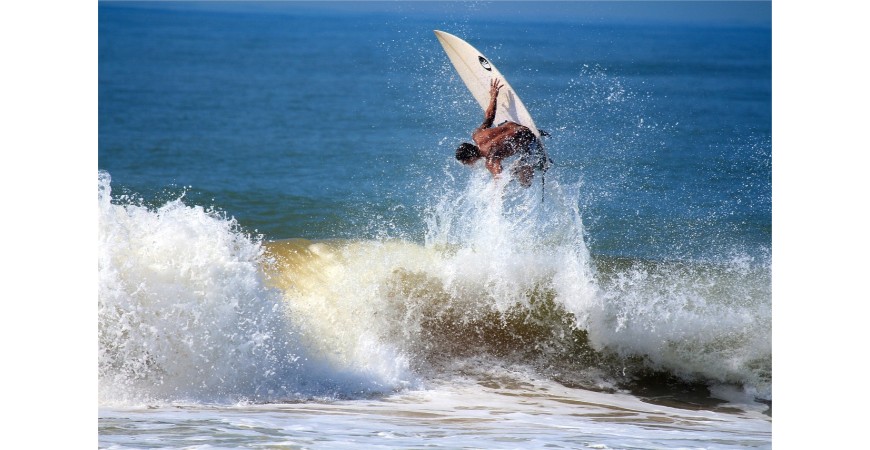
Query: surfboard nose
477 71
441 35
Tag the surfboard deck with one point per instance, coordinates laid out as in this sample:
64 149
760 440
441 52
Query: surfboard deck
476 71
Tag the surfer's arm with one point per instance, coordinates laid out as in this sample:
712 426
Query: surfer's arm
489 116
494 166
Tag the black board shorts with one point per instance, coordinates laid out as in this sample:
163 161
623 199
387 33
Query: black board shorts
536 157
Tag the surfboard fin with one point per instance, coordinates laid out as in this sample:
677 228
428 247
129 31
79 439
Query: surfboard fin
543 133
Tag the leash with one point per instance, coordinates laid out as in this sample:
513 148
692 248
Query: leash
544 161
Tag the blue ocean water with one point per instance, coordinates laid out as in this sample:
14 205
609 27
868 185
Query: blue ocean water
302 122
286 239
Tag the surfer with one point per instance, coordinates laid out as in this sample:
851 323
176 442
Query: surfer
500 142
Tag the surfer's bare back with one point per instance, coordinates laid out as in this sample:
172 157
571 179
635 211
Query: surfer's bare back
505 140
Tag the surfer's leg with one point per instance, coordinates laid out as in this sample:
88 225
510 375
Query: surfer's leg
538 157
523 171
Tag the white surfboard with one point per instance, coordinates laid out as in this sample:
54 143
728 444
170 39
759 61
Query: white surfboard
477 71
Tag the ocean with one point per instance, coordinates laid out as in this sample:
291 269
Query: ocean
290 256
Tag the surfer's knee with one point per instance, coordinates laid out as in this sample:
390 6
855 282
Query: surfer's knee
523 173
467 153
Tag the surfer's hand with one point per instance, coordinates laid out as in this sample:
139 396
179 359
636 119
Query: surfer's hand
494 86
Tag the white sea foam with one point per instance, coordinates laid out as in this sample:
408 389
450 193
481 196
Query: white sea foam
185 315
503 414
509 242
707 321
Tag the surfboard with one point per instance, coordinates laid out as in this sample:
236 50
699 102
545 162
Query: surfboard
476 71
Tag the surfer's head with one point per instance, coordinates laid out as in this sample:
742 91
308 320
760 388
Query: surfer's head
467 153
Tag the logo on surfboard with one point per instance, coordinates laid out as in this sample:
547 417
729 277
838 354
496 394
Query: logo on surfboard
484 63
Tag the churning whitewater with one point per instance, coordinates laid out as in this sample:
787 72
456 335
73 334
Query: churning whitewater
290 255
185 314
192 308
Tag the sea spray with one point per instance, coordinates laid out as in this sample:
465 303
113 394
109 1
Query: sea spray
500 273
503 274
519 276
185 314
702 321
705 321
193 309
